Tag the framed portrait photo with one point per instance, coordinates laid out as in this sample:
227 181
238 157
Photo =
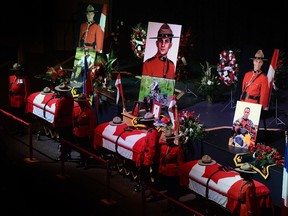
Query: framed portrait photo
156 109
245 124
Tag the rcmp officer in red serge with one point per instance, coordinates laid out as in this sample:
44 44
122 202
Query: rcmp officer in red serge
19 87
255 83
151 151
84 122
171 157
159 65
63 118
19 90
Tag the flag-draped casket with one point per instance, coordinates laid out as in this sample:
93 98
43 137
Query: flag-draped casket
43 105
116 138
223 187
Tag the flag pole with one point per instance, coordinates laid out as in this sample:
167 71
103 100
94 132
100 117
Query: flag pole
176 126
123 102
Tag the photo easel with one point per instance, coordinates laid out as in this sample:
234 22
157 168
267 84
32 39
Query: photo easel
276 120
230 103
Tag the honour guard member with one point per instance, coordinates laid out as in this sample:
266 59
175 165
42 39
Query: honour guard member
84 122
19 90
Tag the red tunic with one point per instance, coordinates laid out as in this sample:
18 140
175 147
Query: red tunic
151 147
171 157
258 87
64 111
84 122
248 199
19 90
158 66
93 38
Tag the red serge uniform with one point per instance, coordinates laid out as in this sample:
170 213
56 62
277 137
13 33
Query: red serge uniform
84 122
159 66
19 90
257 91
91 36
171 157
64 111
248 199
83 128
151 147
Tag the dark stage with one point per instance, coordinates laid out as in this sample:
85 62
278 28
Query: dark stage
84 189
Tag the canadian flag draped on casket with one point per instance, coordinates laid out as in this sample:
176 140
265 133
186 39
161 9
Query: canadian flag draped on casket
43 105
219 185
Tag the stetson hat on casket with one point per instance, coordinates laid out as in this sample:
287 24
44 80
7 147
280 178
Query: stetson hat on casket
259 55
206 160
148 117
116 121
246 168
81 98
164 32
47 90
63 87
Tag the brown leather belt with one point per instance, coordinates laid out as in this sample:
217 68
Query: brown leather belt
252 97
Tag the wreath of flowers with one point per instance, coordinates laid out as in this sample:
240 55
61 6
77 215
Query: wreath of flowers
138 40
227 67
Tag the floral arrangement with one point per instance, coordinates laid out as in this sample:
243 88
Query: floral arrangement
265 155
138 40
55 76
190 126
183 55
227 67
101 72
209 81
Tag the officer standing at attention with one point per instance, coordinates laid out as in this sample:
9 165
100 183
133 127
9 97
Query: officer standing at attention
19 90
63 118
84 122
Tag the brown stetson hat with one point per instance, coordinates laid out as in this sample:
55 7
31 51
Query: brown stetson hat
63 87
148 117
116 121
259 55
206 160
90 8
81 98
47 90
16 67
246 168
164 32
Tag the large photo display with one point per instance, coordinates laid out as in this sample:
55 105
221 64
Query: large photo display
159 89
245 124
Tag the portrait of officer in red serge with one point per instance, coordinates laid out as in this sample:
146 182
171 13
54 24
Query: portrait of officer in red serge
255 83
91 35
160 65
